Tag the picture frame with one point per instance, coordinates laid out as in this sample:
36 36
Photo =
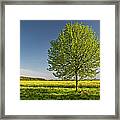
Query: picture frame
2 67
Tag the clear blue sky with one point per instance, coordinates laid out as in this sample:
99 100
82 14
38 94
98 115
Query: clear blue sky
35 37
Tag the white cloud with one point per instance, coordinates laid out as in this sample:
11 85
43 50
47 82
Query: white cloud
32 73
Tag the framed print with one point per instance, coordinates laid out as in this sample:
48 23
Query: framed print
60 59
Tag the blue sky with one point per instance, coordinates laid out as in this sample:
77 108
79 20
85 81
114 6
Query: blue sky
35 37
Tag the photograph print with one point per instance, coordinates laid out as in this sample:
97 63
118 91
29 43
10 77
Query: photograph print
60 60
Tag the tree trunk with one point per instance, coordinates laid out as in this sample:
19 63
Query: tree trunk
76 81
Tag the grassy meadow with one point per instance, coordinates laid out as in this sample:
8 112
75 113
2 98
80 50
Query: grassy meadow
59 90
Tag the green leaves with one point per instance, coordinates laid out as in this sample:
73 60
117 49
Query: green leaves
76 50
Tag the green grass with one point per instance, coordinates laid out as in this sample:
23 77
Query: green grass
59 90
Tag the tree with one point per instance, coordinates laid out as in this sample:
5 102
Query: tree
75 53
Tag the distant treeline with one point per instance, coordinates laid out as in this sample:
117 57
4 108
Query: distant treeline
30 78
42 79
